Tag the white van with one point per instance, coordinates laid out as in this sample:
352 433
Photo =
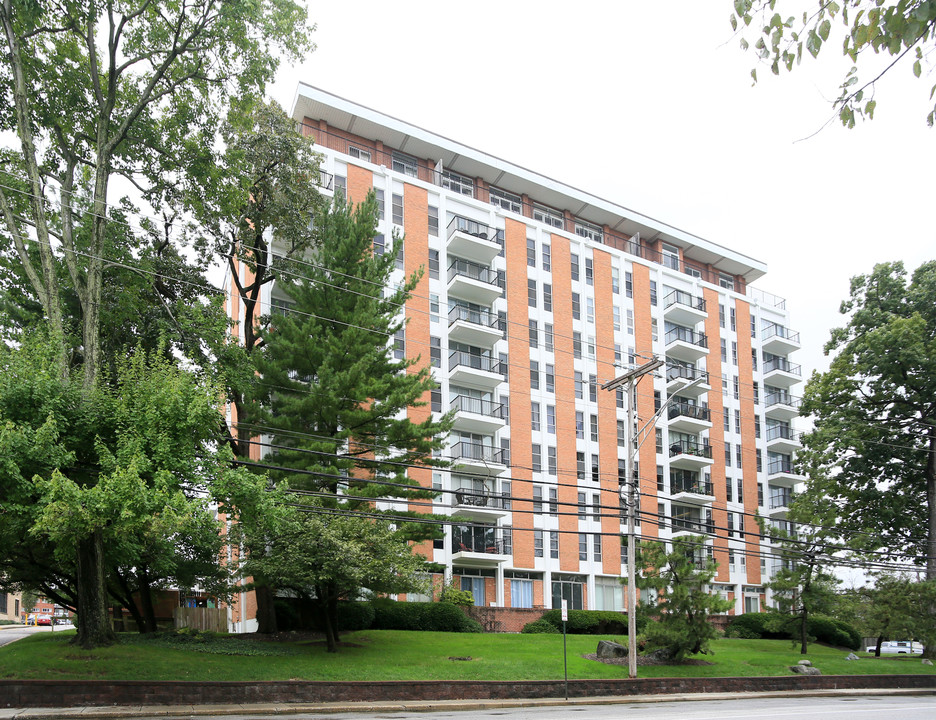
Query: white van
898 647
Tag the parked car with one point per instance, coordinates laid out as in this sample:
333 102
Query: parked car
898 647
38 619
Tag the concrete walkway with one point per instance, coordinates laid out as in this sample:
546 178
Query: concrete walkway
148 712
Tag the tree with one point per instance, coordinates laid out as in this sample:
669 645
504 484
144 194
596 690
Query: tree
802 586
871 457
681 576
333 388
899 28
896 606
94 91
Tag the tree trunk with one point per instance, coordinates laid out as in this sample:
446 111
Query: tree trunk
328 624
877 648
94 629
929 649
266 611
146 604
804 635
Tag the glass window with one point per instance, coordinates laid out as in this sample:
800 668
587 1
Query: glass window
547 297
574 260
531 292
547 259
433 221
404 164
396 206
531 252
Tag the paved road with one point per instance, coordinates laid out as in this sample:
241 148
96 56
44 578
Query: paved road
9 633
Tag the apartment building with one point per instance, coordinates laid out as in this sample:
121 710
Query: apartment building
535 294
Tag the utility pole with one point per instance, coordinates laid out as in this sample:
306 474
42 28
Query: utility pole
629 381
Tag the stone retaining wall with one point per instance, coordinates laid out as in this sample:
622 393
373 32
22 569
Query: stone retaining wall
75 693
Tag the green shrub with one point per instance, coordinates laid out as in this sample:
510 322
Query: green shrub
833 632
438 617
355 615
756 626
590 622
540 626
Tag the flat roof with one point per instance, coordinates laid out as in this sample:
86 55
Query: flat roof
343 114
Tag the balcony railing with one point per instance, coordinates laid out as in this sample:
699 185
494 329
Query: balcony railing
466 450
696 526
684 409
689 447
326 181
779 501
782 432
475 544
782 399
688 483
473 270
681 297
479 498
675 371
478 406
471 227
783 365
687 336
780 332
484 318
783 465
485 363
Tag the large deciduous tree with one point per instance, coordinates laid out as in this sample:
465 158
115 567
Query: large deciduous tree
334 387
897 28
97 90
871 457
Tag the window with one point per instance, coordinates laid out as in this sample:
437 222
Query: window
754 359
547 259
591 347
737 387
757 454
550 376
435 351
726 281
583 546
589 271
757 431
531 252
737 421
575 266
630 322
537 543
579 389
753 326
341 183
593 427
553 502
535 416
504 200
547 297
721 315
629 284
534 334
727 455
670 256
580 424
576 306
653 292
734 353
654 330
621 433
534 375
548 340
380 202
595 471
576 344
379 244
590 309
616 317
548 215
756 387
580 465
433 221
554 544
724 350
521 593
434 264
537 499
734 320
404 164
531 293
435 400
551 419
396 208
596 547
359 153
728 489
587 230
581 506
551 462
741 497
399 344
537 455
457 183
738 455
593 388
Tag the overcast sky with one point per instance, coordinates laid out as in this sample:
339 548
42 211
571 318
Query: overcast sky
651 105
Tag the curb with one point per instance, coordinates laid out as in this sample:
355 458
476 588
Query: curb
273 709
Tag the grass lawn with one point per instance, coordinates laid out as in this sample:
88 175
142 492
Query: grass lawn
399 655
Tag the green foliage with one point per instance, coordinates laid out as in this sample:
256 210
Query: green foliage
210 643
434 617
355 615
834 632
589 622
456 596
900 28
681 576
540 627
754 626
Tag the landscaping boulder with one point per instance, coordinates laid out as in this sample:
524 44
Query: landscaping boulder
807 663
805 669
663 655
927 662
608 649
852 656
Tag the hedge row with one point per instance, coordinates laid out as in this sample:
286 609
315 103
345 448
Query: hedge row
820 628
591 622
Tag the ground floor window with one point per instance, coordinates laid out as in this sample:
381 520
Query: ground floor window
609 594
569 588
521 593
474 585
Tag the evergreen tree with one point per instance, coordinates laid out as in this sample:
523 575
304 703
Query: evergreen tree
334 385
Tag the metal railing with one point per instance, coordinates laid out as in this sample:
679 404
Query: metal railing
675 371
485 318
471 227
686 335
782 432
486 363
681 297
466 450
696 526
688 447
779 331
476 542
783 365
479 498
690 484
776 398
779 501
784 465
472 270
478 406
684 409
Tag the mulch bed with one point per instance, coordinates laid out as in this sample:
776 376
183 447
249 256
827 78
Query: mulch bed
644 660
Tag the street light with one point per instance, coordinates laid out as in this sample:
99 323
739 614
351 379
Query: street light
630 380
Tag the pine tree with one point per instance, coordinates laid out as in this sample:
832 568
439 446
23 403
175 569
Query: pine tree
333 388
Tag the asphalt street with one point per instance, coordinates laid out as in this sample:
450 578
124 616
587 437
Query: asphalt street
9 633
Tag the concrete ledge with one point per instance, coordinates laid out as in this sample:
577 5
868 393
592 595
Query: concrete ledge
91 693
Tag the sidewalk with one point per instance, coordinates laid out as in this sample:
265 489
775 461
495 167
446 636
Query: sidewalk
151 712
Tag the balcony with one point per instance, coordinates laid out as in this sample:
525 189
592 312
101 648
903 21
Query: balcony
782 439
478 505
477 415
685 344
780 372
475 371
689 455
779 340
687 487
473 327
688 418
478 458
477 546
679 377
782 472
472 240
779 505
692 525
684 309
782 406
473 282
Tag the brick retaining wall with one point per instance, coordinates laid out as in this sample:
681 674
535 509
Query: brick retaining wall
74 693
